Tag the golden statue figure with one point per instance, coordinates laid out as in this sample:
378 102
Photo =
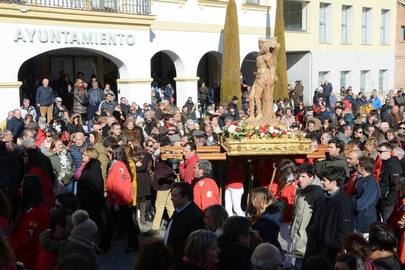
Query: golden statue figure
263 86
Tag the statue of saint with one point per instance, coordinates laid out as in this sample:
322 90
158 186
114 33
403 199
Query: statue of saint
263 86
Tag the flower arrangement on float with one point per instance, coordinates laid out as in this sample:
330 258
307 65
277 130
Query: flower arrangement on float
240 130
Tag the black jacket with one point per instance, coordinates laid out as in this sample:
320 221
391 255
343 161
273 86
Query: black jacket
268 225
390 174
333 220
90 187
182 224
234 256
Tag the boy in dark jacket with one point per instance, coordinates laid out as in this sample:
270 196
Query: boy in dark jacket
334 218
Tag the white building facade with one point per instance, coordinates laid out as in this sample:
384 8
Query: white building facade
181 31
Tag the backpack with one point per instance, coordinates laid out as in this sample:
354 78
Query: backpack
119 184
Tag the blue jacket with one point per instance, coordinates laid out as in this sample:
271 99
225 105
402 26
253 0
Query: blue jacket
77 155
44 96
376 102
365 199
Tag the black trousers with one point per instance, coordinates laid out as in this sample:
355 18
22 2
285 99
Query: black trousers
114 216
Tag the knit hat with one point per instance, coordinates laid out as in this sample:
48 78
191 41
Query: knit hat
83 227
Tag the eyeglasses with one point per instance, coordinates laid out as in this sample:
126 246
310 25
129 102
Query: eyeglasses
382 151
401 127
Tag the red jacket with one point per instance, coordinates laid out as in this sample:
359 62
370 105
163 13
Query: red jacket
47 189
25 238
46 260
377 169
206 193
40 138
187 169
287 195
119 184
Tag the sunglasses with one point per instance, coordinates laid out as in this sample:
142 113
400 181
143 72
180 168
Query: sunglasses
401 127
382 151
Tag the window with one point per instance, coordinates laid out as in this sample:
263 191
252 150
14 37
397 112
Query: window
364 78
347 24
384 27
402 35
324 23
322 75
344 79
383 79
295 16
366 26
255 2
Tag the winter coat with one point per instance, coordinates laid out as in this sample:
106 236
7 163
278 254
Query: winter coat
143 176
376 102
332 221
268 225
77 155
389 179
90 188
119 184
206 193
69 247
62 165
25 238
337 161
103 158
44 96
287 197
306 201
79 101
365 199
234 256
30 110
16 126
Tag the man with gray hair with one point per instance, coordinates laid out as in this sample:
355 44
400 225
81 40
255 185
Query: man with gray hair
206 191
266 257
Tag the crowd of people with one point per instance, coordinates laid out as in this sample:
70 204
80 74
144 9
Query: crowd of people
74 175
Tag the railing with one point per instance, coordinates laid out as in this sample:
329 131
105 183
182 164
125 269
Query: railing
141 7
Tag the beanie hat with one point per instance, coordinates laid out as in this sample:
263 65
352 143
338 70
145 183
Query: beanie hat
83 227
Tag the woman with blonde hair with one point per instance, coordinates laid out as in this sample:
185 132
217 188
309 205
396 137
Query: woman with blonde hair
96 141
267 220
201 251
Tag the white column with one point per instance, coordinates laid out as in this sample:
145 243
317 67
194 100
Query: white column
186 87
10 97
138 90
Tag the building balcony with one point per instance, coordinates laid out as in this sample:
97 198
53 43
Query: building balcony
136 7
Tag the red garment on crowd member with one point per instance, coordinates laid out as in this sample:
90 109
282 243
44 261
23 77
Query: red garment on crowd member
186 169
287 195
299 117
206 193
46 260
377 169
119 184
46 183
25 238
397 214
236 174
350 186
41 135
